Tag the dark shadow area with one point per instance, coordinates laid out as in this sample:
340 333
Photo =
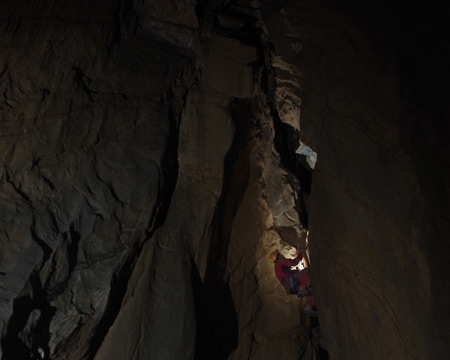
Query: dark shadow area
13 348
412 40
322 354
72 249
217 325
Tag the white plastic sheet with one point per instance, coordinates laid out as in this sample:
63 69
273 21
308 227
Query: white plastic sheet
311 156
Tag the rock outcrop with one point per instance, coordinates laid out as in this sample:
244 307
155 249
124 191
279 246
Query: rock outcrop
150 163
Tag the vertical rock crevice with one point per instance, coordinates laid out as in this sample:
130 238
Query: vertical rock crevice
217 329
287 138
231 295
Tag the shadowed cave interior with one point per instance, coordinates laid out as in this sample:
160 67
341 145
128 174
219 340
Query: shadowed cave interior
154 153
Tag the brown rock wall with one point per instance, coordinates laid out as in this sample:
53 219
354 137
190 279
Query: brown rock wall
149 168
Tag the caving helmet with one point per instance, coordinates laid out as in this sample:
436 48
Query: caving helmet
273 256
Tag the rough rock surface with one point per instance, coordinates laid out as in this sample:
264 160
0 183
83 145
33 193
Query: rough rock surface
149 167
376 224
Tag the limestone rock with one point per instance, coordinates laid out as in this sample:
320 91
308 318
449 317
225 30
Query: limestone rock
149 167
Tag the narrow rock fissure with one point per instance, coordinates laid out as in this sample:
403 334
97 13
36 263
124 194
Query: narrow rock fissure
18 190
46 249
118 289
210 335
72 249
287 139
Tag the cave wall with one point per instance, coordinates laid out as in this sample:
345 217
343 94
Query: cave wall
375 222
89 142
83 177
149 168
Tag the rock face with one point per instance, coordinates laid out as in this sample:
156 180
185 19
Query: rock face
377 226
149 167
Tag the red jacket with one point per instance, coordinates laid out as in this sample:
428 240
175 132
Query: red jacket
283 267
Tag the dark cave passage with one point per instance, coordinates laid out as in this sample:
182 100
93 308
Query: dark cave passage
151 162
